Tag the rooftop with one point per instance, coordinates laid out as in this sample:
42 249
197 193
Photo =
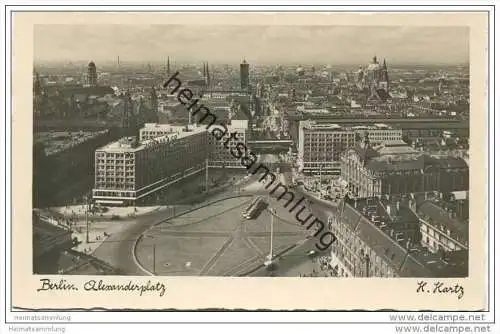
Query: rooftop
372 127
308 125
438 216
129 144
395 147
375 221
397 155
58 141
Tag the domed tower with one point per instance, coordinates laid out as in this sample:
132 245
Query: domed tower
300 70
373 71
92 74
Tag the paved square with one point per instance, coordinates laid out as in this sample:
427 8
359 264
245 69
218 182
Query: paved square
215 241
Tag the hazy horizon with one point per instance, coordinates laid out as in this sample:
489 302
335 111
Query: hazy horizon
344 45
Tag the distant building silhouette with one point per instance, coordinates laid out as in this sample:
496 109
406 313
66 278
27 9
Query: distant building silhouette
244 75
92 74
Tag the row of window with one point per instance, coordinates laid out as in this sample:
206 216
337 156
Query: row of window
101 154
114 193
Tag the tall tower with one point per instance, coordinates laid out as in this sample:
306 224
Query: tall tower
154 101
37 86
127 110
208 77
92 74
37 93
168 66
385 76
244 75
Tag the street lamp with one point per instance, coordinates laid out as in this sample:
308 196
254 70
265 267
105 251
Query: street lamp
154 254
269 260
87 218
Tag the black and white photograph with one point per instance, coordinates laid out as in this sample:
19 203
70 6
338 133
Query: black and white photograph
254 164
251 151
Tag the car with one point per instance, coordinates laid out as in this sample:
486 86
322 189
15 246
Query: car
311 253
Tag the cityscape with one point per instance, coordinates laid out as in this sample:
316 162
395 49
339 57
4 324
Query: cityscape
130 179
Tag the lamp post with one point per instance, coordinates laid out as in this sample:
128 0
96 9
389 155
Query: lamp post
206 175
154 259
320 175
154 254
87 218
272 231
269 260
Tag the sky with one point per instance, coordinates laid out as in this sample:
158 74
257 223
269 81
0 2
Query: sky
257 44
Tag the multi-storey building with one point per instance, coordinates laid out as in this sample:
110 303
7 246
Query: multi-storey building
441 228
320 146
379 133
380 238
127 171
155 130
395 168
220 156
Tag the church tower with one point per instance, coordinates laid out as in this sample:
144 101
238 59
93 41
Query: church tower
384 77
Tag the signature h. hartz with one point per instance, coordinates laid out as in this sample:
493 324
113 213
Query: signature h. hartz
439 287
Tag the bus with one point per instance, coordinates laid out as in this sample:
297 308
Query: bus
250 207
256 209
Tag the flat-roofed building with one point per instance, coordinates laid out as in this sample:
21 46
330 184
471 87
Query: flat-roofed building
320 146
127 171
379 133
220 156
154 130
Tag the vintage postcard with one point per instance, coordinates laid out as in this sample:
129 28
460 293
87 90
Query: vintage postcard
274 161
